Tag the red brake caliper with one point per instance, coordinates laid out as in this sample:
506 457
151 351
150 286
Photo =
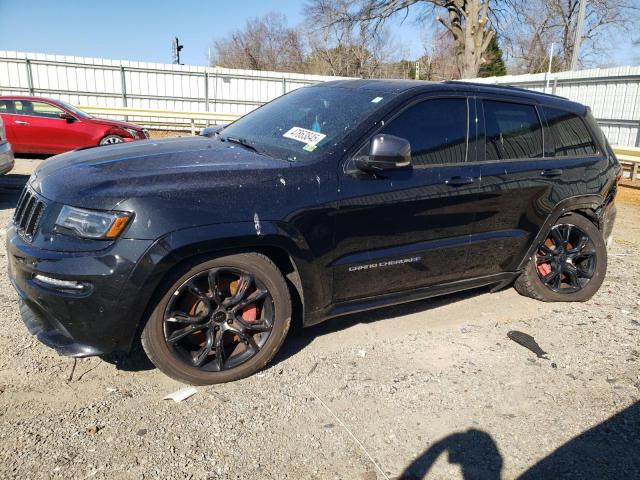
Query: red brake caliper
250 313
544 269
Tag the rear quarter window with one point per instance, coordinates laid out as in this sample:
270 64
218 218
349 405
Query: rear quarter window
570 135
512 130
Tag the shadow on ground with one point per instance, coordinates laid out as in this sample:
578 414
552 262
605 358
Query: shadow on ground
299 338
610 450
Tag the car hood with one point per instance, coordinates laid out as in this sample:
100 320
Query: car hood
102 177
113 123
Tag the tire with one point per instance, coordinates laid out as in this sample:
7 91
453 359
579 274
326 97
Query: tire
555 280
166 323
111 140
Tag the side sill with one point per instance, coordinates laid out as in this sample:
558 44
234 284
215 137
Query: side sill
500 280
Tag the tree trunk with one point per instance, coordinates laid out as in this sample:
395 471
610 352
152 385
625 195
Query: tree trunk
467 24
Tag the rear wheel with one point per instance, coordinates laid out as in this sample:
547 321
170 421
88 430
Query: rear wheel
569 265
111 139
220 320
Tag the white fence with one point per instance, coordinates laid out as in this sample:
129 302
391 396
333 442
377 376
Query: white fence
612 93
153 86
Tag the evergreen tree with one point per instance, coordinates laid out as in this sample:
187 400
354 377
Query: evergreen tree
494 65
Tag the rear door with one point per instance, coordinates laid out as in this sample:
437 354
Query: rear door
523 178
406 229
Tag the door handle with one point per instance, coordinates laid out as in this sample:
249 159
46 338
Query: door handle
458 181
20 122
551 172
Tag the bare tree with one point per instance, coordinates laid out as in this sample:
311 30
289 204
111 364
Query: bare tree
346 48
266 43
538 23
435 63
467 21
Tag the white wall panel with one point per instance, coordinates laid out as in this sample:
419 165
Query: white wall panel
613 94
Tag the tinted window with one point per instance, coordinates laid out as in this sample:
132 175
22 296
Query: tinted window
436 129
37 109
512 131
569 132
6 106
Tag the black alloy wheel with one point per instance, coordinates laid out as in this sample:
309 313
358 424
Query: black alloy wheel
566 260
218 320
569 265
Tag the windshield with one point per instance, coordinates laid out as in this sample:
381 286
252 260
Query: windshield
74 110
304 121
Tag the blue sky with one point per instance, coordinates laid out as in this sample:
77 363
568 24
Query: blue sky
142 29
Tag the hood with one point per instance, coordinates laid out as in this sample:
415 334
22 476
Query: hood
101 177
113 123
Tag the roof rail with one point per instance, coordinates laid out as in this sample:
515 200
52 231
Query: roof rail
502 86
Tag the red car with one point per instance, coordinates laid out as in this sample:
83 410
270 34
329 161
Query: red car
43 125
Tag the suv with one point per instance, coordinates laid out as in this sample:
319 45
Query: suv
6 155
333 199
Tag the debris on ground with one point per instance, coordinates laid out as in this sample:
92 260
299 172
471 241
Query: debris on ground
527 341
182 394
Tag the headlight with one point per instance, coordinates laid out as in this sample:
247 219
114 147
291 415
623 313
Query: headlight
93 223
134 133
3 133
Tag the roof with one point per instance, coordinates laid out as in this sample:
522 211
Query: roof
26 97
419 86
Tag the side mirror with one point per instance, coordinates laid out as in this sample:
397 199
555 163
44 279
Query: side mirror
67 116
387 152
211 131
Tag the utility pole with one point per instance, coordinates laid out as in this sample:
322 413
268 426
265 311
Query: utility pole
550 63
578 38
176 47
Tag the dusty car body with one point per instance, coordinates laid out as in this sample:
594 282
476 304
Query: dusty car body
362 218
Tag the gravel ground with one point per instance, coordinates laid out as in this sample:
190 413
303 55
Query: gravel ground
433 386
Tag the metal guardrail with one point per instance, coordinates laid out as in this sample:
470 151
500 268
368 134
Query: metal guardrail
193 119
629 157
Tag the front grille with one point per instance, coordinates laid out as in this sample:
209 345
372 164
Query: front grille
28 213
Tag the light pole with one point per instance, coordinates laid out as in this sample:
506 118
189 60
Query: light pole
578 38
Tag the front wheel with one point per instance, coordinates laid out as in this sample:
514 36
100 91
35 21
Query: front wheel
569 265
111 140
220 320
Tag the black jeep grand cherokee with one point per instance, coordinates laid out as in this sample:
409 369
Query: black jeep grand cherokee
335 198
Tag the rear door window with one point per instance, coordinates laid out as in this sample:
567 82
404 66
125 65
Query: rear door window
436 129
570 134
512 130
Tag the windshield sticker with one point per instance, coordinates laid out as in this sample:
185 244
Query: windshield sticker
308 137
309 147
376 100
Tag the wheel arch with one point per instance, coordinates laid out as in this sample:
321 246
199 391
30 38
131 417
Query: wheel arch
177 250
585 205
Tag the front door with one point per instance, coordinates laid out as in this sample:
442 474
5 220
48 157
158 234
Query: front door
38 128
405 229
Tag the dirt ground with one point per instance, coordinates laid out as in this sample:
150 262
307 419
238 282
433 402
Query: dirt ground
429 388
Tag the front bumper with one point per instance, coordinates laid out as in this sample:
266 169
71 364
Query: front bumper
94 321
6 158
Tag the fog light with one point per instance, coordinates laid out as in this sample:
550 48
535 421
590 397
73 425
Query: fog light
54 282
